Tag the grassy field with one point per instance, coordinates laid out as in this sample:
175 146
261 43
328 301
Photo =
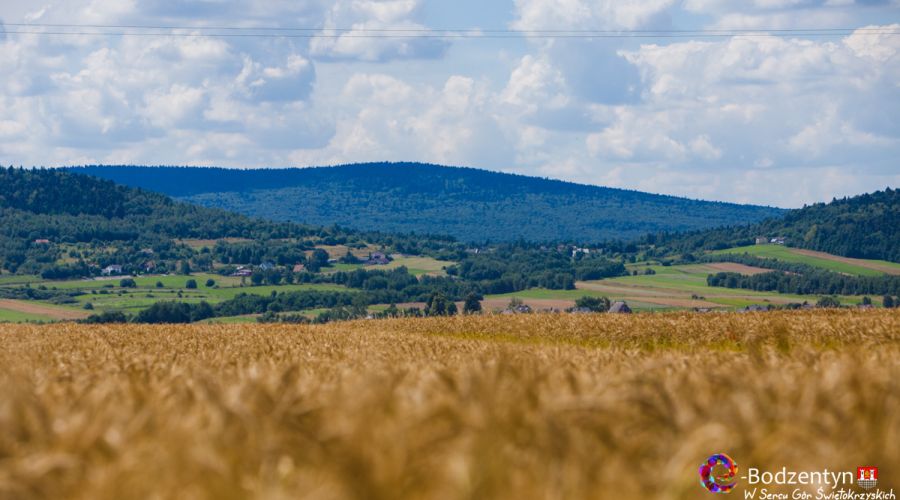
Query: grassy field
417 266
108 295
7 315
518 407
794 255
671 287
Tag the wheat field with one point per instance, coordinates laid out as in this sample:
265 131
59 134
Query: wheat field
510 407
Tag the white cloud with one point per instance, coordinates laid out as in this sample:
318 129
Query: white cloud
588 14
536 84
367 17
380 115
757 119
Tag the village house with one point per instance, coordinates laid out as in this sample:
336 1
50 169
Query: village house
761 240
299 268
518 309
619 308
377 259
778 240
266 266
113 270
576 251
42 242
242 272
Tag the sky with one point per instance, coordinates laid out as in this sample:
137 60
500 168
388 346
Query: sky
754 118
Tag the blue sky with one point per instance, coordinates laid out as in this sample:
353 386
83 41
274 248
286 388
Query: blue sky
760 119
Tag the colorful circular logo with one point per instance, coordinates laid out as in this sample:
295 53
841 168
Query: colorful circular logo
718 473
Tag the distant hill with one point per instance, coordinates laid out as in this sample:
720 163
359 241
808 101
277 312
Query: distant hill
51 216
48 203
470 204
864 227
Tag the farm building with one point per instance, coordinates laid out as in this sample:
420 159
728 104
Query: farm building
378 259
42 242
266 266
242 272
762 240
619 308
113 270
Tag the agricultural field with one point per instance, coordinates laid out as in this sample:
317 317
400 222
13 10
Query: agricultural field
860 267
518 407
106 294
671 287
417 266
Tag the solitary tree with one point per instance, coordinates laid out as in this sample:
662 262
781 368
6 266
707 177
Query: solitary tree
594 304
437 305
191 284
472 304
888 301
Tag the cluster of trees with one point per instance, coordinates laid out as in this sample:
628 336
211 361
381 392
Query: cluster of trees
519 266
816 282
282 307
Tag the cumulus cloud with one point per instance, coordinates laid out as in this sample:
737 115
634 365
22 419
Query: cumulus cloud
750 104
380 114
590 14
752 119
348 21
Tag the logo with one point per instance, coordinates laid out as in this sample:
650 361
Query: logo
718 473
867 477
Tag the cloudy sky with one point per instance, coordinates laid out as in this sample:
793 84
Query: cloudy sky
781 120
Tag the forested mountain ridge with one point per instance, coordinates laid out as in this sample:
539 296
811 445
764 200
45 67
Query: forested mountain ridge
469 204
97 205
865 226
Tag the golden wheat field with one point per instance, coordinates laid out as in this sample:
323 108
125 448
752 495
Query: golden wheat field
510 407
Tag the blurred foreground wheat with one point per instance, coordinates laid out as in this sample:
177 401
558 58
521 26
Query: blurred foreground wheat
531 406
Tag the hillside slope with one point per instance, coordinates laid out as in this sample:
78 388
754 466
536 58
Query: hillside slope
469 204
863 227
51 216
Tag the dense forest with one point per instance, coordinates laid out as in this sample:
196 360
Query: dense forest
865 227
469 204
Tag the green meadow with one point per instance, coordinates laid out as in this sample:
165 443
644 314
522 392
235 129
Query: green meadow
787 254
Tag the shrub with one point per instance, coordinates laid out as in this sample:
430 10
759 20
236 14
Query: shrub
595 304
828 301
